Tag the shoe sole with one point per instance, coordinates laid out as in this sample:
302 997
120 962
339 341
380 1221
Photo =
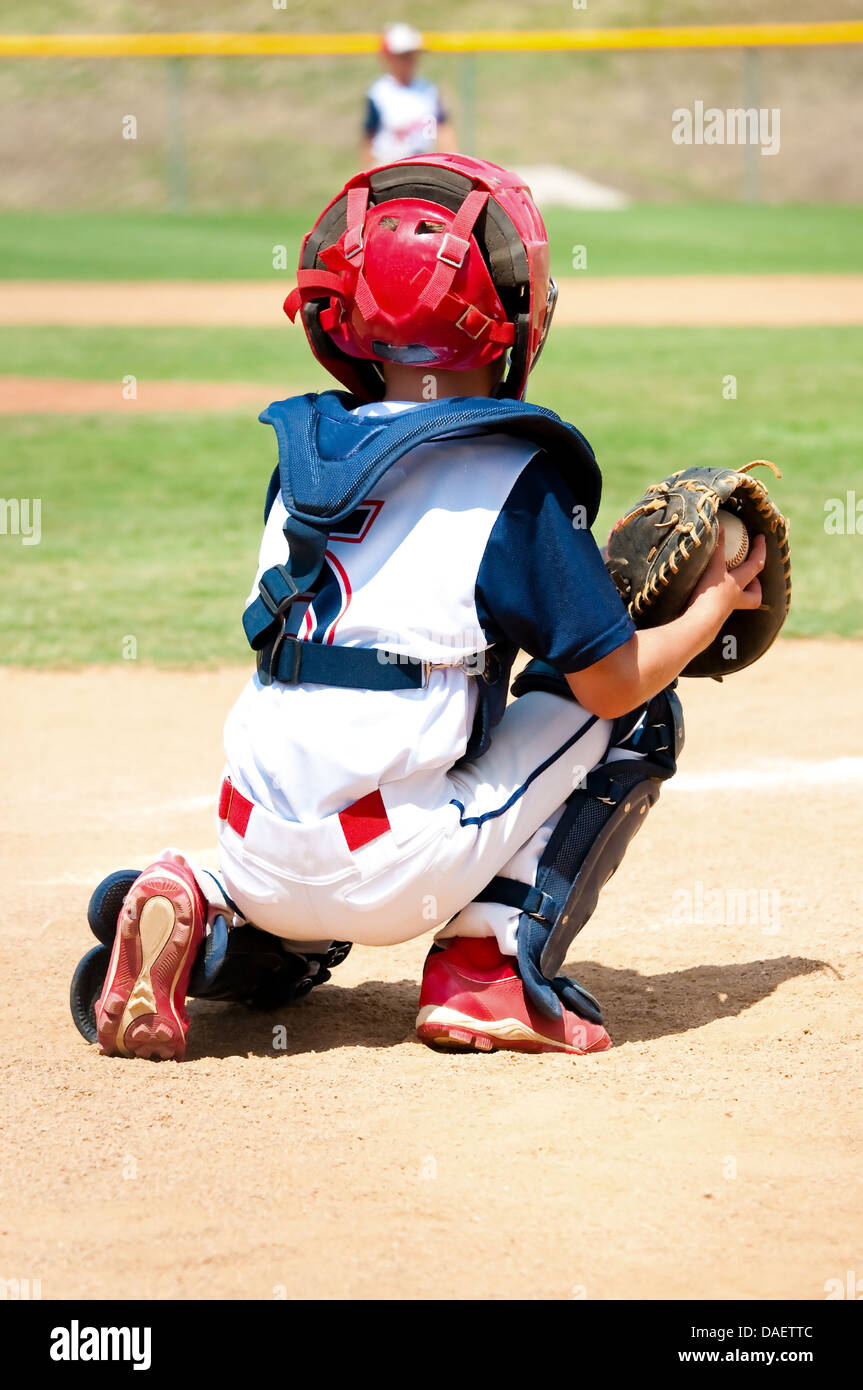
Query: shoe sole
138 1015
455 1032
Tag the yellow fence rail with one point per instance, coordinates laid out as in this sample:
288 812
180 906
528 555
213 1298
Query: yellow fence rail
465 47
486 41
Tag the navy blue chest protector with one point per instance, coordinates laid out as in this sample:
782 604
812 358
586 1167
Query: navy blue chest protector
329 461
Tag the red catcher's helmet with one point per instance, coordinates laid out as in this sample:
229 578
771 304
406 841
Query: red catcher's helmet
438 260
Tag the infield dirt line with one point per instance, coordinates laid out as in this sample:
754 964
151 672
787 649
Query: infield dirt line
22 395
655 300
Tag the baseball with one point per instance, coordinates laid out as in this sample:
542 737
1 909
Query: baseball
736 538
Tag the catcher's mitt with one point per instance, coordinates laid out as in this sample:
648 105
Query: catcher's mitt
658 552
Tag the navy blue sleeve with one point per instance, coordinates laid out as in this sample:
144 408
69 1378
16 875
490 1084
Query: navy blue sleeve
542 582
372 123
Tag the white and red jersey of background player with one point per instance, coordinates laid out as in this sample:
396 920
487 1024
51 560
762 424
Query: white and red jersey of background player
402 118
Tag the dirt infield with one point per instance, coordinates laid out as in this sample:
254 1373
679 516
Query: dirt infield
649 300
715 1151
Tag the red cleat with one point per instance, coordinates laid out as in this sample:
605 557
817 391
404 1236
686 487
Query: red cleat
141 1011
472 998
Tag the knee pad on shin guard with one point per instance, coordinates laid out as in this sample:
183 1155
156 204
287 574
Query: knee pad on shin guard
586 847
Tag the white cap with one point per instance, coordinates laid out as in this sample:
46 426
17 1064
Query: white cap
402 38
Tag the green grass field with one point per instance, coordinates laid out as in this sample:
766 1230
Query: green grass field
151 523
646 239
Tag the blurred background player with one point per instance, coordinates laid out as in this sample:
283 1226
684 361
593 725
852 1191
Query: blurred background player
404 115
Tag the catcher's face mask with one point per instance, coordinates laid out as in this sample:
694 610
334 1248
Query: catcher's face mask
550 305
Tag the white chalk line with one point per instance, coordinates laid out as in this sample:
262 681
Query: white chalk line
788 775
765 774
782 774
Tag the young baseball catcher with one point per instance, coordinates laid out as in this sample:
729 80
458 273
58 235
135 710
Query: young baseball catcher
423 526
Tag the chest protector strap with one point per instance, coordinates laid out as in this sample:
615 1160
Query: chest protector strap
329 461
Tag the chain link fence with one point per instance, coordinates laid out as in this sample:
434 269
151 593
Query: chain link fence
265 132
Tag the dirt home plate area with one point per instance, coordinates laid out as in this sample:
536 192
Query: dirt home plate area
323 1152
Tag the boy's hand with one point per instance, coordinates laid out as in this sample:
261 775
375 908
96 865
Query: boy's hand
720 591
665 556
654 656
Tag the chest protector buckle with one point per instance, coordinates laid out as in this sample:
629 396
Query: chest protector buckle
278 592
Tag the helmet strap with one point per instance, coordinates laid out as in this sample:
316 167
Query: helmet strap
319 281
453 250
355 216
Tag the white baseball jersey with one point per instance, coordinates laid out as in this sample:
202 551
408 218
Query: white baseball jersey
405 582
402 118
